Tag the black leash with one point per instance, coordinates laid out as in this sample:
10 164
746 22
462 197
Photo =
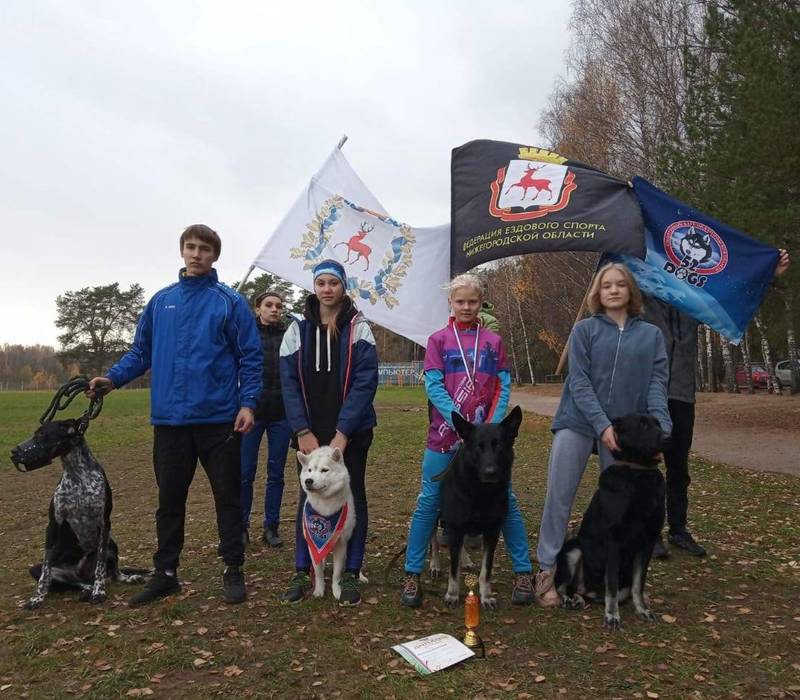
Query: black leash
65 395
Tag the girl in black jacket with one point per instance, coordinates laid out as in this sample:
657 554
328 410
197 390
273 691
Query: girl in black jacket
270 419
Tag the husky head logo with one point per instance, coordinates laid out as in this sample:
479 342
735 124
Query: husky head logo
693 246
319 526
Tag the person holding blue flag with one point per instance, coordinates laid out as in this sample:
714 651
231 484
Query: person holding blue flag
680 334
696 270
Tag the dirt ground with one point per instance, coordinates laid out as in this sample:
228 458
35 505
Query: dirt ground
759 432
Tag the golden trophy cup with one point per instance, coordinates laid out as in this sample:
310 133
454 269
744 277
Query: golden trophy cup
472 618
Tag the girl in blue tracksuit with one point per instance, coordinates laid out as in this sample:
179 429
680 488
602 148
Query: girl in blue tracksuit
329 376
617 365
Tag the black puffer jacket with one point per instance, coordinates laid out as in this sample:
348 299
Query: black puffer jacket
680 336
270 403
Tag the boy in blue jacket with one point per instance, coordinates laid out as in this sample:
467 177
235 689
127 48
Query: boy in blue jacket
200 342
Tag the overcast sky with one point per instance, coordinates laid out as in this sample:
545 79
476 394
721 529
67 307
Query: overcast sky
122 123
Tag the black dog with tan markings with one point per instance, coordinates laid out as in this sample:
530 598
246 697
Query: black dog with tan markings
474 495
79 551
610 556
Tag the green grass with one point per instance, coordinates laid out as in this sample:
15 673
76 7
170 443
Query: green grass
730 623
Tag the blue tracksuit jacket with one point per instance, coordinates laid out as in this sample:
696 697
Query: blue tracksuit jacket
200 341
358 374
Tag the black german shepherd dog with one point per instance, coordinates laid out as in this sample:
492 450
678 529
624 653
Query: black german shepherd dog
611 553
79 551
474 495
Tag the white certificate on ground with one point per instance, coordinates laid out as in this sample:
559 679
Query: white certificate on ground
433 653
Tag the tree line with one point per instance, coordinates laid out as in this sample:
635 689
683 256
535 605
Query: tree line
98 325
700 98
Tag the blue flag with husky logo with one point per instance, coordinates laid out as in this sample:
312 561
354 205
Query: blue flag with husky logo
701 266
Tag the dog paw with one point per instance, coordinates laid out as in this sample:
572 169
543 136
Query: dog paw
612 622
97 598
434 574
450 600
32 604
575 602
489 603
320 592
647 616
85 595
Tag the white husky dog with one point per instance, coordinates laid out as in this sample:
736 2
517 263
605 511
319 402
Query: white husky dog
329 516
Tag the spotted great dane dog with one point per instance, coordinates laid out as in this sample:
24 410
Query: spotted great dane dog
78 551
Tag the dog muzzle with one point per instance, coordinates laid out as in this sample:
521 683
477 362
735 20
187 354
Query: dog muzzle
28 462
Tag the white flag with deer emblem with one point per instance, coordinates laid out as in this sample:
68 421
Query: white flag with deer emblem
395 273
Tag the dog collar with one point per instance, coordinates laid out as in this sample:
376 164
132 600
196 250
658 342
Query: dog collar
633 465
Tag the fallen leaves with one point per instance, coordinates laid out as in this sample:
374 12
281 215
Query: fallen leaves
709 607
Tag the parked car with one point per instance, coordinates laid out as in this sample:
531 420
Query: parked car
783 372
760 376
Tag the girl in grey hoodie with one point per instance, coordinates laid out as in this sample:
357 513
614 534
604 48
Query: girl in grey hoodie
617 365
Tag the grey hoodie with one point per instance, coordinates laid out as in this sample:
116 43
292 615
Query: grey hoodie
613 372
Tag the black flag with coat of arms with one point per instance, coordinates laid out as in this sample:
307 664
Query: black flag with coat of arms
511 199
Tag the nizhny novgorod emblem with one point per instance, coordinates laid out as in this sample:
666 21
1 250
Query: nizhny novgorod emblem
340 225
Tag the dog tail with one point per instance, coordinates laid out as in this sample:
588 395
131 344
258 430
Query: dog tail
391 565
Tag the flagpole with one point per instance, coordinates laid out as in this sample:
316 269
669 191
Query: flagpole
563 359
339 145
244 279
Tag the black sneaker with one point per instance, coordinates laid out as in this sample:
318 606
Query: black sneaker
411 596
522 593
298 587
684 540
233 589
271 537
659 550
158 586
350 594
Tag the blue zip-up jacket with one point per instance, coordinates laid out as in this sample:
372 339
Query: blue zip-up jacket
358 373
613 372
200 341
